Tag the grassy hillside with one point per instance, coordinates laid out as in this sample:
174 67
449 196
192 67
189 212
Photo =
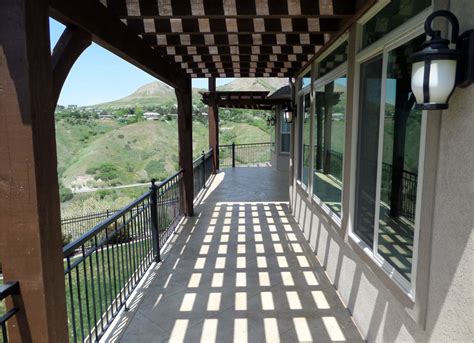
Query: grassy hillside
111 144
136 151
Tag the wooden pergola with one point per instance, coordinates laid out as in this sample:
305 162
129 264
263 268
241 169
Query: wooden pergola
173 41
254 100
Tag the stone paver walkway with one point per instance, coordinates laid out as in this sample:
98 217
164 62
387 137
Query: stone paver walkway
239 271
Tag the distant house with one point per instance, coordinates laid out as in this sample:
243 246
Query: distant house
105 116
151 115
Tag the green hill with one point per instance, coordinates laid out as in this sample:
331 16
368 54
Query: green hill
111 144
137 151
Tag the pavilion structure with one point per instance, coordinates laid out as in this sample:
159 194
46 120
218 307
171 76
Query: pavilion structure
254 100
173 41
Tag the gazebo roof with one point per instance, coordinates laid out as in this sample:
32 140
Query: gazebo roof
236 38
257 100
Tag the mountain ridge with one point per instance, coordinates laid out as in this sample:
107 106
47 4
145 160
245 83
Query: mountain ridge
159 93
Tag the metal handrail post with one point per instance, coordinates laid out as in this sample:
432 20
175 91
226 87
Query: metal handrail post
233 155
154 220
203 170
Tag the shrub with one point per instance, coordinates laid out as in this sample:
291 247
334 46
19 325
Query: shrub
121 236
67 238
107 171
65 193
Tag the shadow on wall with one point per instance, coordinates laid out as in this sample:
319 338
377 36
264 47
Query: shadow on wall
361 290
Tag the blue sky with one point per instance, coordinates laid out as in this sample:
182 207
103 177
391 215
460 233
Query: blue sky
100 76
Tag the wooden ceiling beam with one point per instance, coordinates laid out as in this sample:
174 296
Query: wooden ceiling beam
112 34
208 8
229 45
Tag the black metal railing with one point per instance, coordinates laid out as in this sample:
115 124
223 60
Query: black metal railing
103 266
202 170
332 164
408 187
74 227
233 154
7 289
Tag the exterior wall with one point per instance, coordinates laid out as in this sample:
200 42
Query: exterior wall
280 161
443 310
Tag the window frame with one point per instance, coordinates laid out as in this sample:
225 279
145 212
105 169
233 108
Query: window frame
411 29
331 76
282 120
302 93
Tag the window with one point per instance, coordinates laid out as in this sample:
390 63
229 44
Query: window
333 60
285 135
390 17
388 159
369 115
305 140
306 79
329 143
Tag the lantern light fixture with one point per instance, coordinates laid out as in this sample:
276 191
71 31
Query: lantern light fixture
437 69
289 113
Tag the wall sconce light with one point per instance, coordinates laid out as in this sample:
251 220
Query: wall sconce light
289 113
437 69
271 120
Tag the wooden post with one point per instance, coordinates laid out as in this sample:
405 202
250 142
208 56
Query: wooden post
185 130
213 118
30 228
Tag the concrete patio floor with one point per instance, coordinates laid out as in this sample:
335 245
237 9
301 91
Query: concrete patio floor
239 271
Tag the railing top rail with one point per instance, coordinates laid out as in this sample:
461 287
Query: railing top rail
246 144
91 214
169 178
9 288
71 247
199 158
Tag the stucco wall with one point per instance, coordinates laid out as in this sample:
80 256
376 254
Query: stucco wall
379 311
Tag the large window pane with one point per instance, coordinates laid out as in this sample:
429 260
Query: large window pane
366 179
306 139
329 142
390 17
401 145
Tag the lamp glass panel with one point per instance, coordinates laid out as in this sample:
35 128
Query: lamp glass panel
442 80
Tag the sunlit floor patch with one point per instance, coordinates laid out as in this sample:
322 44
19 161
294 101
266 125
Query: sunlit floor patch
240 277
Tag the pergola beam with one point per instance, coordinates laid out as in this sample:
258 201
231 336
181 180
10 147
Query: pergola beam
112 34
70 46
